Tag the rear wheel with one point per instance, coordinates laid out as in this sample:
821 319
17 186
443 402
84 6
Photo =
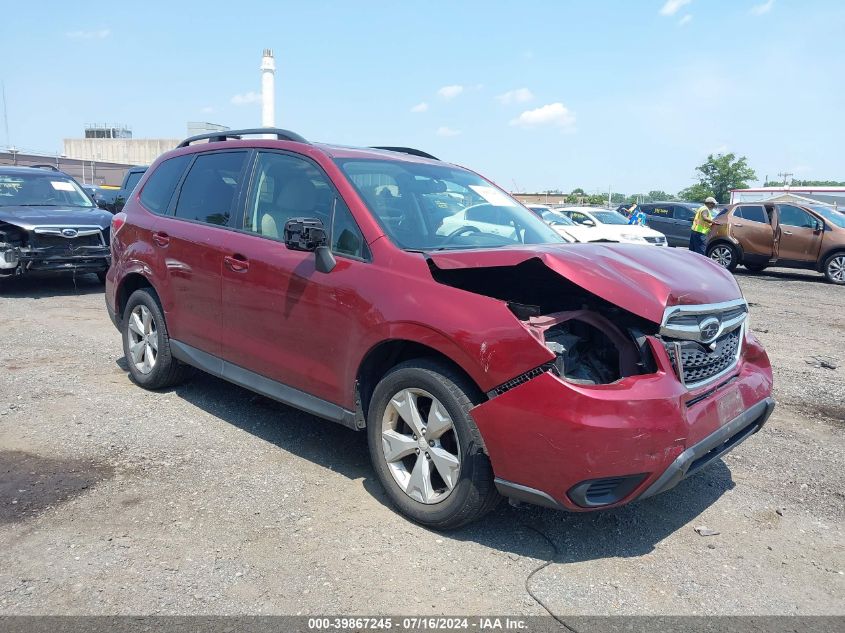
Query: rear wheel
834 268
724 254
146 344
425 447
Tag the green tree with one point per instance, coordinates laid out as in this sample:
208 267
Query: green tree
807 183
721 173
577 192
659 196
697 193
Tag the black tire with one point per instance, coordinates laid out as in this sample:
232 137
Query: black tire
474 493
166 371
724 254
102 276
833 267
755 268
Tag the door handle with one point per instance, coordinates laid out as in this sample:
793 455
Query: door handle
738 224
787 232
236 263
161 239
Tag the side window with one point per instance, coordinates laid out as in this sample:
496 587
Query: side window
793 216
159 188
752 213
286 187
210 189
648 209
662 211
578 217
132 180
684 213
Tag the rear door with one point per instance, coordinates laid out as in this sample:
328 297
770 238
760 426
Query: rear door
800 237
751 226
682 226
192 240
660 219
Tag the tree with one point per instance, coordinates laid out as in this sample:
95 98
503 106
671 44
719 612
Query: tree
577 192
697 193
659 196
721 173
807 183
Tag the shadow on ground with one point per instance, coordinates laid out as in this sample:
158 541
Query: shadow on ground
783 274
44 287
629 531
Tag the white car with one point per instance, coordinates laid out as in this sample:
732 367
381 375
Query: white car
595 224
561 223
486 218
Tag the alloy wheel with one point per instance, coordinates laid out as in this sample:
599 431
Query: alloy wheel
143 339
722 255
836 269
420 446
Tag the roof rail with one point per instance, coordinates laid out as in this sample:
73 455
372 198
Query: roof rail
44 166
407 150
225 135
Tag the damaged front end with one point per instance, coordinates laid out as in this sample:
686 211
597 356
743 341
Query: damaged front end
52 249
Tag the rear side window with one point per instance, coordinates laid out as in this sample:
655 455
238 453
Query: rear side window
210 190
132 180
684 213
752 213
161 184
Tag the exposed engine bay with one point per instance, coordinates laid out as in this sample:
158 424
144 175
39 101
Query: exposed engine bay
594 341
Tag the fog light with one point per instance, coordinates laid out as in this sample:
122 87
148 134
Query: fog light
595 493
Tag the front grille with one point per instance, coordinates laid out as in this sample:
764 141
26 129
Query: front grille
67 243
698 363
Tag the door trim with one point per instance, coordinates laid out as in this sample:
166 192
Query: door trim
278 391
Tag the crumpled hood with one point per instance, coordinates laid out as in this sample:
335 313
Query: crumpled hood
644 280
28 218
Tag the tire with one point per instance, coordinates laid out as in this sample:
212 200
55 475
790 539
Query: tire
756 268
428 386
834 268
102 276
724 254
150 368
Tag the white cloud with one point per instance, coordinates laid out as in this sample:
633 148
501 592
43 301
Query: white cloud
685 20
450 92
246 98
554 114
447 131
520 95
763 8
671 7
100 34
420 107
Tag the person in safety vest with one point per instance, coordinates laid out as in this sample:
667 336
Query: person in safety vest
701 225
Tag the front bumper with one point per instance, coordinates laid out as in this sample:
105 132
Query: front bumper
83 259
579 447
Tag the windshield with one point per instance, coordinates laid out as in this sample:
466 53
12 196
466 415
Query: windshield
835 217
557 218
609 217
41 190
433 207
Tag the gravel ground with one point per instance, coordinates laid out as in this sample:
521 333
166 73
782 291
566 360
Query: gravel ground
207 499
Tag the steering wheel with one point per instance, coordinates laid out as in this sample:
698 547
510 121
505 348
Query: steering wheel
461 230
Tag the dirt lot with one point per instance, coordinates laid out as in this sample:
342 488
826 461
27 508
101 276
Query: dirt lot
209 499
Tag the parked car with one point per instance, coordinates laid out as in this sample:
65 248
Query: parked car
106 197
130 181
48 224
562 225
479 364
758 235
673 219
604 225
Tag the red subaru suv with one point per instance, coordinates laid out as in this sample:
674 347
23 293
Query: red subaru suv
414 300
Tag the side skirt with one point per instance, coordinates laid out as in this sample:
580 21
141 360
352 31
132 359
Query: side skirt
261 384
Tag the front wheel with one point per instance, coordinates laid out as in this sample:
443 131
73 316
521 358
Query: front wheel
725 255
834 269
425 448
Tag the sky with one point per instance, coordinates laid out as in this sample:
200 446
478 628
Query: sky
627 94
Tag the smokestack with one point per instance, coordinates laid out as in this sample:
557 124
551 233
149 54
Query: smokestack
268 89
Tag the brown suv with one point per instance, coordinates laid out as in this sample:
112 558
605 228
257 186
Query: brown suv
758 235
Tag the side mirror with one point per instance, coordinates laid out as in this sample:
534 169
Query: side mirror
308 234
588 223
819 226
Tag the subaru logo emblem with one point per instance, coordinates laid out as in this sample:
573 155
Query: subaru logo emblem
709 329
69 232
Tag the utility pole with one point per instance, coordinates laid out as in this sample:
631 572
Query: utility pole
786 175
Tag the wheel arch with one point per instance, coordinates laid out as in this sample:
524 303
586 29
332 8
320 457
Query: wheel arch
129 284
833 250
385 355
728 241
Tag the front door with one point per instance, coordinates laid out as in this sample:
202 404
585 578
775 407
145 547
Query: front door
192 241
800 234
751 226
283 319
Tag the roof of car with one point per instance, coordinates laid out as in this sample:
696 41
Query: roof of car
370 153
22 171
